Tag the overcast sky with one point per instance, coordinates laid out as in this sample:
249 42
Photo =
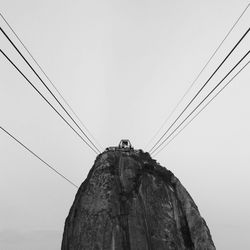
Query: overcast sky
123 66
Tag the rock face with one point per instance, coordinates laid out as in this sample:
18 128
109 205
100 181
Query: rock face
129 202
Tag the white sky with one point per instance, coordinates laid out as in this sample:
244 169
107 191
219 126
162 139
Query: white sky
123 65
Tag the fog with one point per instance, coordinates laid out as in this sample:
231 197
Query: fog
123 66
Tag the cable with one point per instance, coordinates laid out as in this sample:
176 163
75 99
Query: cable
201 88
202 108
45 85
46 99
39 66
197 77
203 100
48 165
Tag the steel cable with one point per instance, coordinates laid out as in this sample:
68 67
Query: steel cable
202 108
203 86
197 77
48 78
201 102
45 85
47 100
38 157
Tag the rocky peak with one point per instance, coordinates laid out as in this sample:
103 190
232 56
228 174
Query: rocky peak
130 202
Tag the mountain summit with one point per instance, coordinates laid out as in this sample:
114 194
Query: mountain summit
130 202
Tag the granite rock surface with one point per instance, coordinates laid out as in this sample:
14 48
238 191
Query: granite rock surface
130 202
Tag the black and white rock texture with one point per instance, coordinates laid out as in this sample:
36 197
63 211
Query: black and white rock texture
130 202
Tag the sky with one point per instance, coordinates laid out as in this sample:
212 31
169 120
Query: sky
122 66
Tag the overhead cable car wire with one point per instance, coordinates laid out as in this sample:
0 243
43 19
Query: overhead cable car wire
197 77
199 91
47 101
202 109
48 78
201 102
46 86
38 157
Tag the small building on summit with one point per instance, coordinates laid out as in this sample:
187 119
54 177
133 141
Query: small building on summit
124 145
